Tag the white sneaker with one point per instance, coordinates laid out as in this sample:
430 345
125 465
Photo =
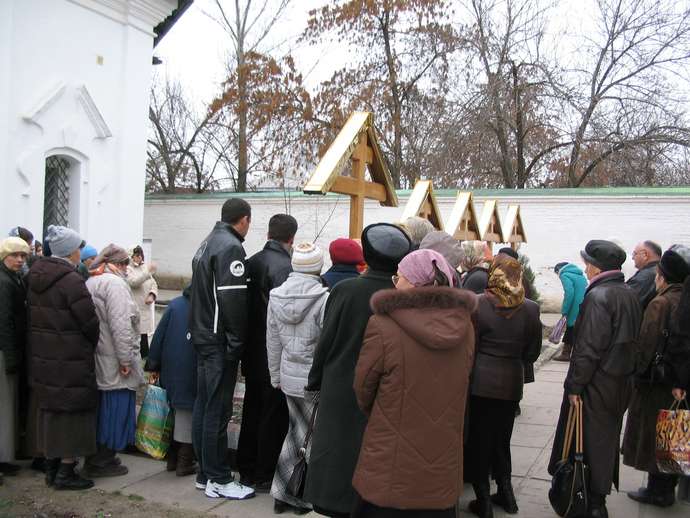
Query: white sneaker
232 491
199 486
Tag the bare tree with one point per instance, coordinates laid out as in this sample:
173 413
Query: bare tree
248 24
624 97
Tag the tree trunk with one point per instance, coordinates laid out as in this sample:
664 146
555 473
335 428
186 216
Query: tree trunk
242 158
521 172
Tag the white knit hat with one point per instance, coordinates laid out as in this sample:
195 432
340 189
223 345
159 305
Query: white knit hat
307 258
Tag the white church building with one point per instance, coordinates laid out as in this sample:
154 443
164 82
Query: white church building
74 96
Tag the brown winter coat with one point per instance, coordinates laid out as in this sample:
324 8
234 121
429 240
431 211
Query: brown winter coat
63 333
411 380
639 442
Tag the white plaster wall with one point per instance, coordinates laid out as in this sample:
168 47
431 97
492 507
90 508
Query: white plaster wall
74 80
557 227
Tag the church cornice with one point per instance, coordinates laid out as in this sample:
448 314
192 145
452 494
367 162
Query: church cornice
141 14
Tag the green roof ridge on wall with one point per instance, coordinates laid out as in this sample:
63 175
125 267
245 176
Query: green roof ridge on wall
448 193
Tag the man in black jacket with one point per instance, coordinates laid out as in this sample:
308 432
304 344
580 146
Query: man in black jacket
218 325
265 413
601 368
646 256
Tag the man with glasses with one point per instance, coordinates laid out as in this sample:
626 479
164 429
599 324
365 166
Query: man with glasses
646 256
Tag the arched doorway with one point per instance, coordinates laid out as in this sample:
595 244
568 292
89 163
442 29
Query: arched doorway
61 192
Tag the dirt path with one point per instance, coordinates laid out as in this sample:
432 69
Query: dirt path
27 496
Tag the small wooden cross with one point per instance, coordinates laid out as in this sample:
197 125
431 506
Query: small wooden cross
422 203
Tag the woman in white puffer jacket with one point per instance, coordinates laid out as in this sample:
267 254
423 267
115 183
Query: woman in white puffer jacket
293 326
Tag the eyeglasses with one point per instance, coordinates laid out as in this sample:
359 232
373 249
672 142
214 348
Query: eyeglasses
395 279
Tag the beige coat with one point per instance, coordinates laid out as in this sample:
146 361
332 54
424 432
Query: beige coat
142 283
118 344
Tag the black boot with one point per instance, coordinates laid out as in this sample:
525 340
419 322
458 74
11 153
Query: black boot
597 506
660 491
505 497
186 464
482 505
171 459
103 464
66 478
51 466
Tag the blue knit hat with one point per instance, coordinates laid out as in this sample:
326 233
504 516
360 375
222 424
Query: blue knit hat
88 252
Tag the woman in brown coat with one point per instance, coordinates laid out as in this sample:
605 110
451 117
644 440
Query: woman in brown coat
508 337
650 394
411 380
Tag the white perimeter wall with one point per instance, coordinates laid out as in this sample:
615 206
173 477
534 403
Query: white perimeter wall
557 226
74 80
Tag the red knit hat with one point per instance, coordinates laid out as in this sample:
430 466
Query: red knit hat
345 251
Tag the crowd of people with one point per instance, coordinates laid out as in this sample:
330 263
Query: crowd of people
398 372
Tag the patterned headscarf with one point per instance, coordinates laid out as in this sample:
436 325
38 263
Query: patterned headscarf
505 282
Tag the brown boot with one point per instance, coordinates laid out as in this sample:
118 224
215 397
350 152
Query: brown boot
186 464
564 355
171 458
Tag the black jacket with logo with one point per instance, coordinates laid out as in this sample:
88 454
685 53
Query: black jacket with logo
267 269
218 300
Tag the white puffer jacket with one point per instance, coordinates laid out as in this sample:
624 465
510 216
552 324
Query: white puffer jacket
293 326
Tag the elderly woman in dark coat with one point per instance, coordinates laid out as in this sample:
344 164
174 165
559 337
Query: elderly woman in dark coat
13 254
172 355
508 332
63 334
601 368
340 423
651 394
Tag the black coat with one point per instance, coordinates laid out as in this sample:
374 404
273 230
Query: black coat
12 318
268 269
679 342
63 334
218 301
172 354
643 283
476 280
601 370
507 339
639 441
339 272
340 423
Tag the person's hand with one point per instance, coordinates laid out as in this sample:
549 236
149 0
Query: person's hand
153 268
153 377
678 394
125 370
573 398
150 298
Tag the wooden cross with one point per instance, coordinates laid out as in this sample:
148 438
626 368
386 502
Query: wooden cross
422 203
514 230
490 223
463 224
356 142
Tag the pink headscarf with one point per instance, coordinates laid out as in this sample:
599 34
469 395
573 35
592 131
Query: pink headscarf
418 267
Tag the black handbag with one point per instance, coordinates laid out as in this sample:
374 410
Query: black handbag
569 493
295 486
656 372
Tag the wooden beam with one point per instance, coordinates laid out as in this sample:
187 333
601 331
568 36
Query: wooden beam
348 185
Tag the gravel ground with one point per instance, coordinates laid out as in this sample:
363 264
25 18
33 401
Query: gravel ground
27 496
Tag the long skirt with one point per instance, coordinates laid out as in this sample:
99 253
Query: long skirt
300 411
488 449
66 434
117 420
182 432
8 412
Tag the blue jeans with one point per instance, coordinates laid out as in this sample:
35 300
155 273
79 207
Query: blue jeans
216 378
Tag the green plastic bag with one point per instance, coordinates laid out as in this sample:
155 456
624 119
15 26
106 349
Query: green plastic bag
154 424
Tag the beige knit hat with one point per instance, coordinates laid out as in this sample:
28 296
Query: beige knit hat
307 258
13 245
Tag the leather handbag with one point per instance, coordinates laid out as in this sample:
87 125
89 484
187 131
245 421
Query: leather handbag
295 486
656 372
569 487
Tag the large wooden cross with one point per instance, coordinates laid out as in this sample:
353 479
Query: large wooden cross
357 143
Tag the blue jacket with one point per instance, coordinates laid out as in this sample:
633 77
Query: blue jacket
339 272
172 354
574 287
